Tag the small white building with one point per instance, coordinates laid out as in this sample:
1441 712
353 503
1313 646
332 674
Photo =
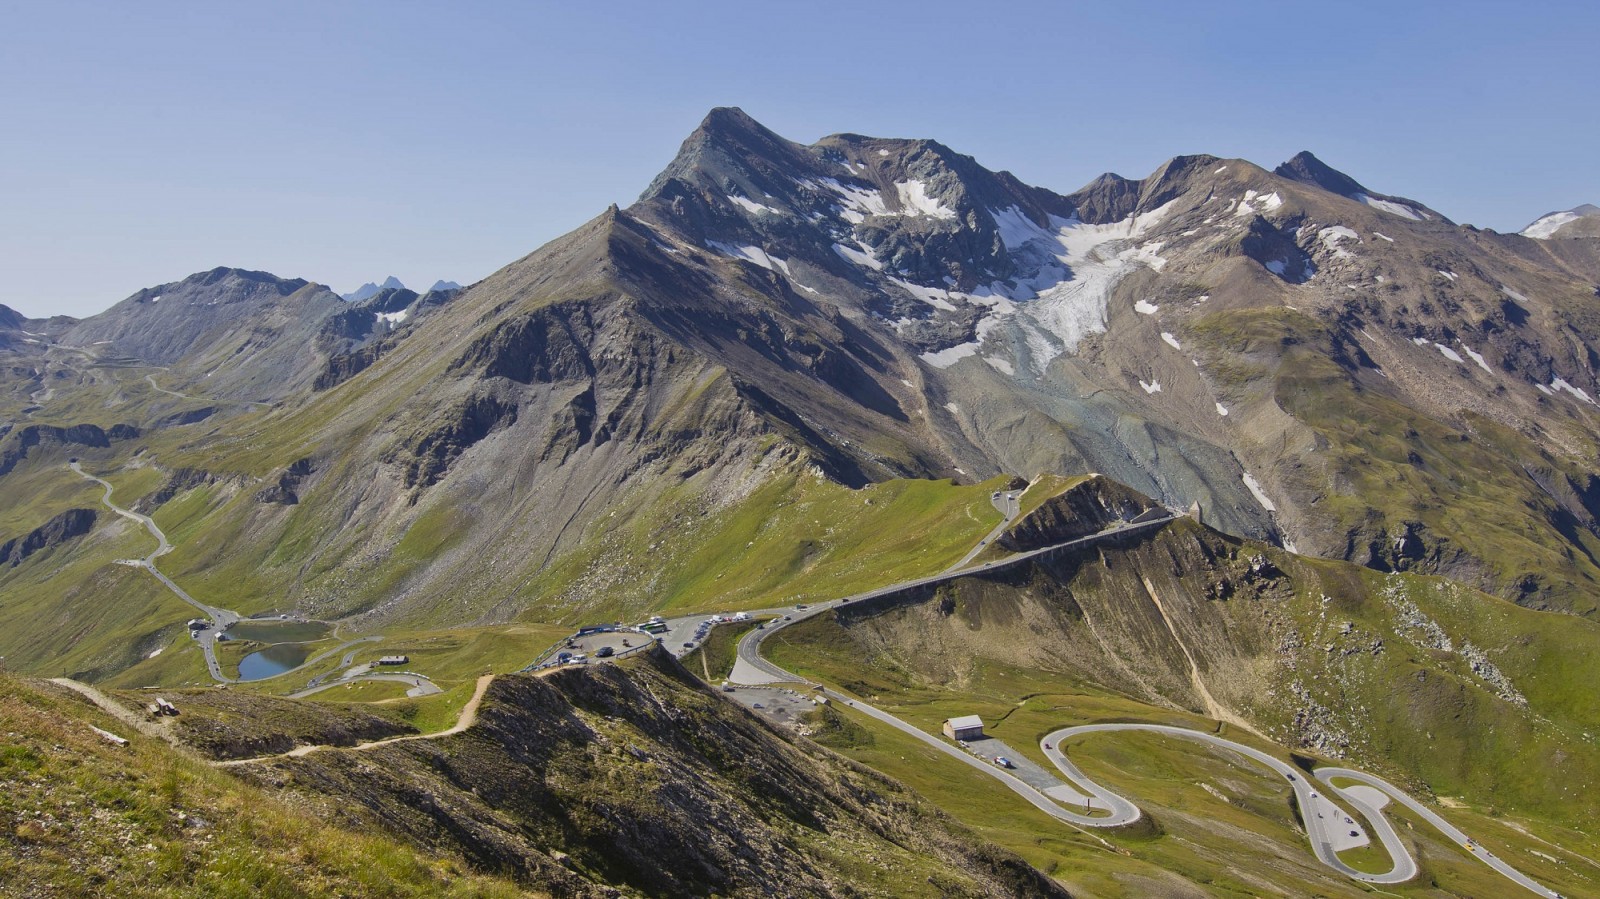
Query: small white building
394 660
967 727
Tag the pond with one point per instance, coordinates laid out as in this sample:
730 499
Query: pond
273 660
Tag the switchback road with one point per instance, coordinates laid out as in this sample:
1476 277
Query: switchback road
1328 828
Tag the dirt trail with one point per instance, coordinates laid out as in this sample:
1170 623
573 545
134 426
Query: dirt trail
117 710
469 717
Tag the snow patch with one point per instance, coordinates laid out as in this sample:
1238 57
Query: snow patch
1450 275
1219 170
1390 207
954 409
1546 227
936 297
748 254
1381 236
393 318
156 299
752 206
1146 307
1514 295
1478 358
1420 341
1000 364
1579 392
1545 390
1260 495
1222 410
1171 340
1331 236
1152 387
858 257
157 651
914 195
857 202
947 357
1450 354
883 152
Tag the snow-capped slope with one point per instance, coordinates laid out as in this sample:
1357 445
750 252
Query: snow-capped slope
1580 221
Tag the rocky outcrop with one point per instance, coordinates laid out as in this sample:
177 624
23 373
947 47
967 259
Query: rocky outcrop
180 480
14 446
428 453
1084 508
58 530
283 492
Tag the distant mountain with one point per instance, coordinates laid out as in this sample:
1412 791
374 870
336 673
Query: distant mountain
1580 221
368 289
11 318
1308 169
443 285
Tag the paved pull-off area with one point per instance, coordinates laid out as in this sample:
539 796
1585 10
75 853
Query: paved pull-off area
1328 826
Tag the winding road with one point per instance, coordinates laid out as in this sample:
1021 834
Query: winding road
220 618
1326 823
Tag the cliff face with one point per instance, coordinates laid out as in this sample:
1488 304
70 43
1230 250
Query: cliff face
69 524
636 777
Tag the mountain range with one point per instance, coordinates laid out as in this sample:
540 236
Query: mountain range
751 385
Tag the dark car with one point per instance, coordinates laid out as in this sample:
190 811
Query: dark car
604 652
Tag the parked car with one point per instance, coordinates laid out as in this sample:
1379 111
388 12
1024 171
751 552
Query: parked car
604 652
1003 762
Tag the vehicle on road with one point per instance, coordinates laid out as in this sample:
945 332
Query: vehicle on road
564 657
802 607
1003 762
604 652
688 646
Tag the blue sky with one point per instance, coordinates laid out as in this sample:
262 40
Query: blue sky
342 142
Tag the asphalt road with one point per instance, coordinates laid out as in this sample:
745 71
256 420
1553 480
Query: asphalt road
1327 824
220 618
1008 505
1321 816
1326 775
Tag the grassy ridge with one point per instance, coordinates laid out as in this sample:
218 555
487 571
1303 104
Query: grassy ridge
80 816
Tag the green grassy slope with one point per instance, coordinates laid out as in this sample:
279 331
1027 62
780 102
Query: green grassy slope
80 816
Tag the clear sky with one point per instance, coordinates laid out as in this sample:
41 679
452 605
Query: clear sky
345 141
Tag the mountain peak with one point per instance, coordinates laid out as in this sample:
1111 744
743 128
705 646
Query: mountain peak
729 149
1308 169
370 289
